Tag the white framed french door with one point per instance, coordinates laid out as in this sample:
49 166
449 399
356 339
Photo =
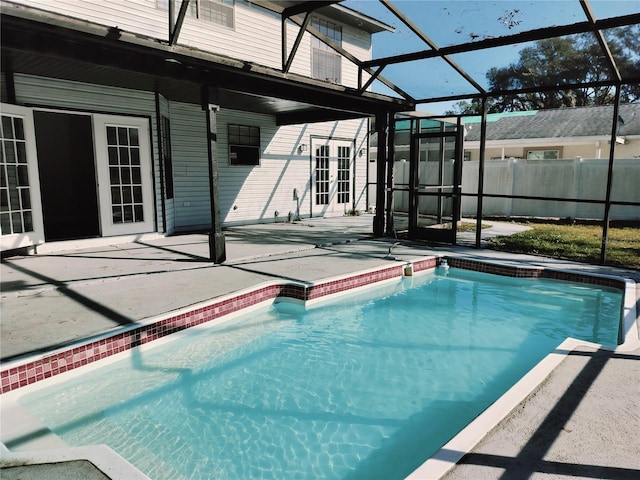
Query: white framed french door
21 222
332 176
123 166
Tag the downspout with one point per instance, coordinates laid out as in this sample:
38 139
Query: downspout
217 250
483 143
607 199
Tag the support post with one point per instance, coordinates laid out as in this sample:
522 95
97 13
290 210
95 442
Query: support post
607 200
381 129
217 249
483 144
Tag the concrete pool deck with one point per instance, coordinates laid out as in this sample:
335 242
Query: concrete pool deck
582 421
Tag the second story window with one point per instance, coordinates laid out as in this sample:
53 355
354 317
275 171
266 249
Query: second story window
220 12
326 62
216 11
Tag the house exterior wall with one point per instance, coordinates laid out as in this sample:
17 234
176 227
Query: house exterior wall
83 97
591 148
256 36
250 194
247 194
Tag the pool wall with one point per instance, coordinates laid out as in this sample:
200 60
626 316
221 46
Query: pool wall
26 371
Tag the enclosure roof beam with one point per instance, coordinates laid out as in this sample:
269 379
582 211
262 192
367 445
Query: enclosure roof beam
519 91
415 29
352 58
528 36
601 40
174 30
287 57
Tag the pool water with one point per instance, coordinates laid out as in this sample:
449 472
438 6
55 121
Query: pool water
360 388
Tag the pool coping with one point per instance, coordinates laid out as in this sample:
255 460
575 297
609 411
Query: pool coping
26 371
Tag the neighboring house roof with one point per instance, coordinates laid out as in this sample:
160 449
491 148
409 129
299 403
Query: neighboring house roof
556 123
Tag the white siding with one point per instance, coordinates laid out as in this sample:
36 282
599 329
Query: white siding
190 167
247 194
255 38
55 93
254 194
136 16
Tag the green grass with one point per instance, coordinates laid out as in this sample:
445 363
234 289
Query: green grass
471 226
580 243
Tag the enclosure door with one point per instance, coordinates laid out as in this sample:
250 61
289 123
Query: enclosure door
125 184
20 205
436 172
332 176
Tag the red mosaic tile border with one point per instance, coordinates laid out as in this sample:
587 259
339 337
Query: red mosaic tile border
425 264
336 286
60 362
534 272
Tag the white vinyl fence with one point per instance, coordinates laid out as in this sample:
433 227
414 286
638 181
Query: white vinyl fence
578 178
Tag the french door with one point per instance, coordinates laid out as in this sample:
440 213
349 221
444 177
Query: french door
125 188
332 176
121 146
20 206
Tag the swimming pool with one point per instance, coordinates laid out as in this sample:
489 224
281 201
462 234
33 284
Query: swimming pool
349 390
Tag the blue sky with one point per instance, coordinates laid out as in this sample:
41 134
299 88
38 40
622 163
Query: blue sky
460 21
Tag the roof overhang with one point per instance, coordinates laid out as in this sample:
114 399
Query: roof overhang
330 9
44 43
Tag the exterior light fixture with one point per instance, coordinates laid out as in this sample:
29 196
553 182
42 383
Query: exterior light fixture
302 147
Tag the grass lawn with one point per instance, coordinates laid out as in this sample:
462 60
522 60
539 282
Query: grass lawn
580 243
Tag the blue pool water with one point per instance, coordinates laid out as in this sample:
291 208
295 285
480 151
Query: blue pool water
357 389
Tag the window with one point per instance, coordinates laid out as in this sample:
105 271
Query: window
165 131
15 198
326 62
344 174
220 12
543 154
216 11
125 174
244 145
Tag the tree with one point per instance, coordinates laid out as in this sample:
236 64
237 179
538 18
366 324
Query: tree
560 61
